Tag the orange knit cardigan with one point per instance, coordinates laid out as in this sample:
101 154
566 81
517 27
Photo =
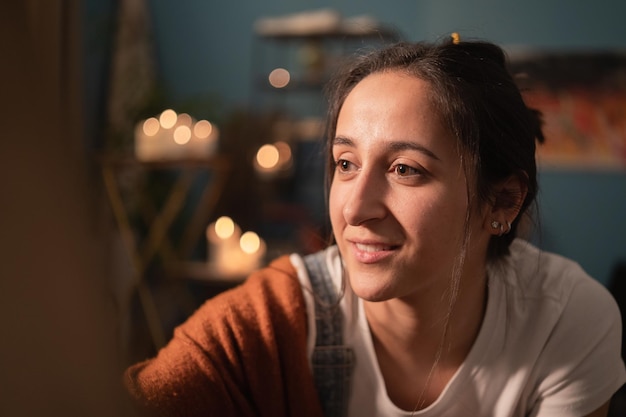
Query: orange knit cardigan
243 353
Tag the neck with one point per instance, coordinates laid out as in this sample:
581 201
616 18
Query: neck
422 319
421 342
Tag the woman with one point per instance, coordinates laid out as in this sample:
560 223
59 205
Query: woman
440 310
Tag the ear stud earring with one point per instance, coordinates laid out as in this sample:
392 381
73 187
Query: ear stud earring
497 225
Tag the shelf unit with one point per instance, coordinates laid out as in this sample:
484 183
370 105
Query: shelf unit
310 60
122 173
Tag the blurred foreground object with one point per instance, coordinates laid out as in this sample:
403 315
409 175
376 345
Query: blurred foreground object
58 355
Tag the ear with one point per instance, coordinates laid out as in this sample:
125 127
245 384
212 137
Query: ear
506 202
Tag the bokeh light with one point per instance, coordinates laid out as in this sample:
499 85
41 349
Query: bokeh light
284 152
224 227
182 135
168 119
250 242
151 126
279 78
184 119
267 156
202 129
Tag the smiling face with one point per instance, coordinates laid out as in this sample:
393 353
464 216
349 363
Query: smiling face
398 198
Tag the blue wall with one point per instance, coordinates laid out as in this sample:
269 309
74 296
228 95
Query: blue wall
205 46
583 216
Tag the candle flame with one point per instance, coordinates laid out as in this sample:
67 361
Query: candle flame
202 129
182 135
224 227
250 242
184 119
151 126
168 119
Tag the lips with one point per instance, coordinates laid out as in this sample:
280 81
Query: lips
372 252
366 247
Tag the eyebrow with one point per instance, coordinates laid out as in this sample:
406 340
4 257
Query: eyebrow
396 146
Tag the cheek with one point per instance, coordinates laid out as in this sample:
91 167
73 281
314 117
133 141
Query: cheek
436 214
452 216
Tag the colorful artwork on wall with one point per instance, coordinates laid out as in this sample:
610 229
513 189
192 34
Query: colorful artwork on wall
582 97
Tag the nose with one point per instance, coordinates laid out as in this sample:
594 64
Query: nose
364 199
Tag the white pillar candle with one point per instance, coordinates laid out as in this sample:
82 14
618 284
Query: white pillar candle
169 148
203 141
148 144
224 251
253 250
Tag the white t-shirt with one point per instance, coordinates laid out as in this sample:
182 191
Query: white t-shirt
549 344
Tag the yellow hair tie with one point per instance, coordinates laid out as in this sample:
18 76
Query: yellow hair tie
455 38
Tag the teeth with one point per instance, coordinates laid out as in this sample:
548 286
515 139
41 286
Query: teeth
371 248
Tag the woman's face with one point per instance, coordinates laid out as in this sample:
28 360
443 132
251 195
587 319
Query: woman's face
398 198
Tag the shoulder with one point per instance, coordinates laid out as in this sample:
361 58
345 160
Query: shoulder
271 294
533 274
266 306
278 280
551 301
326 272
232 351
554 292
568 324
320 273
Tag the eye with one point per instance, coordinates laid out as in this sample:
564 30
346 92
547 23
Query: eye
403 170
344 165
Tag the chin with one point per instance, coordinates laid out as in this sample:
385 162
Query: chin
371 288
376 298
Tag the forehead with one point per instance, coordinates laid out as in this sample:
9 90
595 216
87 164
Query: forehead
390 104
379 83
390 91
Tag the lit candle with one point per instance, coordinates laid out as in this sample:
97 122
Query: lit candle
253 249
230 253
171 136
203 141
224 251
169 148
148 145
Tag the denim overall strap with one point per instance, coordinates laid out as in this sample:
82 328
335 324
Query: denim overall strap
332 361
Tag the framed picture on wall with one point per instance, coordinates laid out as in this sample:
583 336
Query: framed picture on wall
582 96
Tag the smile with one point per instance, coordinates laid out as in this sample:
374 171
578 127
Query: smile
372 248
371 253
